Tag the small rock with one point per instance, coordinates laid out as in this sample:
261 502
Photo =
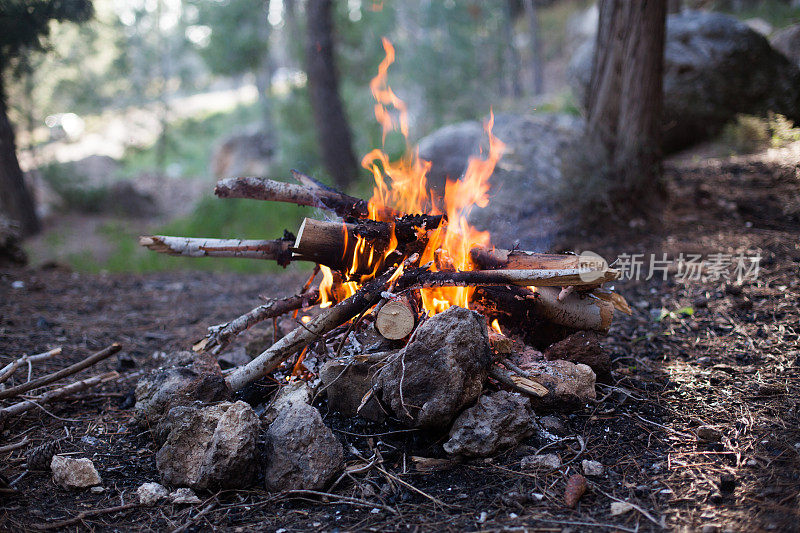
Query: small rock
500 420
553 425
483 517
289 395
582 347
592 468
709 434
567 382
191 378
233 358
534 462
211 446
97 489
151 493
74 473
618 508
346 381
727 483
302 453
183 496
441 370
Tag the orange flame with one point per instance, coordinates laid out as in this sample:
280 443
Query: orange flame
402 186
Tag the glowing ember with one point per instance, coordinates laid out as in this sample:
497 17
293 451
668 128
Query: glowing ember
401 187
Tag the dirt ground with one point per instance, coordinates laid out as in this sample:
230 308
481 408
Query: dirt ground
732 362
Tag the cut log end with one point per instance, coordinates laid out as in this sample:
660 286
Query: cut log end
396 319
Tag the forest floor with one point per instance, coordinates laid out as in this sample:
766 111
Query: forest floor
722 355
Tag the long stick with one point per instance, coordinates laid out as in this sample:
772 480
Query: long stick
49 396
520 259
525 278
64 372
278 191
219 336
276 250
367 296
7 371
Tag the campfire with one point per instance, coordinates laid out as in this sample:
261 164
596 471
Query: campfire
408 303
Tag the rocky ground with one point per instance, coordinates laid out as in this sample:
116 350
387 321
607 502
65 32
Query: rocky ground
696 427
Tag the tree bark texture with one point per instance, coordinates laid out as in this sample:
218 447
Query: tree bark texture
625 95
15 198
333 129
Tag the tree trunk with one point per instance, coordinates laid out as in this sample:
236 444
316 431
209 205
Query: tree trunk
625 98
15 199
537 74
333 130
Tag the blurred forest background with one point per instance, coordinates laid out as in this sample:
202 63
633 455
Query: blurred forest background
125 120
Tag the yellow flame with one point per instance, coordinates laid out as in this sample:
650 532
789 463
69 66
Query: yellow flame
496 326
401 187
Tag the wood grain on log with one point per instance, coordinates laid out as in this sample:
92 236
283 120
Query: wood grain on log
333 244
521 260
397 318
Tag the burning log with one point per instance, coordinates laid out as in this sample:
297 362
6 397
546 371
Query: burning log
333 244
220 335
367 296
521 260
532 277
276 250
397 318
278 191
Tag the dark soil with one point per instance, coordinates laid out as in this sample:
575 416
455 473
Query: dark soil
733 364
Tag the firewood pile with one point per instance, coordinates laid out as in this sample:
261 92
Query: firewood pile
411 319
400 330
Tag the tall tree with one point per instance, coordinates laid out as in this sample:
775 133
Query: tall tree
333 129
625 99
24 24
239 43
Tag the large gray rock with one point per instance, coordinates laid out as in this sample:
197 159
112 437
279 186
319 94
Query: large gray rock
346 381
568 383
528 172
440 371
498 421
209 447
714 68
190 378
787 42
301 452
449 149
249 153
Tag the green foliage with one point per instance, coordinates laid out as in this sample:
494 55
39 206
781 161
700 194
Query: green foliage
750 133
239 39
189 144
779 13
25 23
